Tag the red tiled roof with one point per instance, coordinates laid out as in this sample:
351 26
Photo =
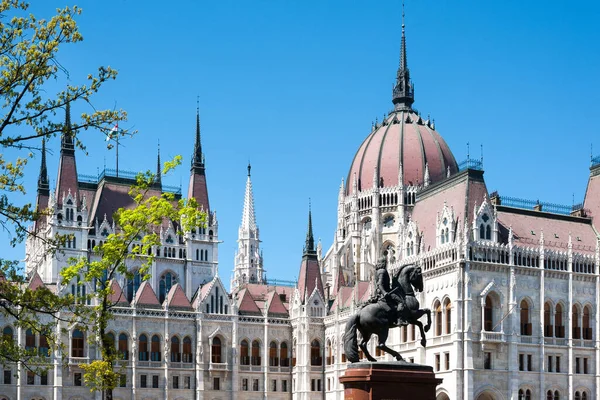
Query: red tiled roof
246 304
177 298
275 305
146 296
117 296
363 288
67 177
309 278
35 281
260 291
339 281
592 200
556 230
343 297
198 190
409 143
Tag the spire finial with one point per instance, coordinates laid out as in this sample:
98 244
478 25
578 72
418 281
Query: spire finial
67 133
309 246
249 168
403 93
197 156
43 184
158 166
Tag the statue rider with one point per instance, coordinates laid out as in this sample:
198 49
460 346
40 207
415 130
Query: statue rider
390 299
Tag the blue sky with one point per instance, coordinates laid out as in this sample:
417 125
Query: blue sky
294 86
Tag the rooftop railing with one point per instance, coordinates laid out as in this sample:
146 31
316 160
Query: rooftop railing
471 163
120 174
538 205
595 161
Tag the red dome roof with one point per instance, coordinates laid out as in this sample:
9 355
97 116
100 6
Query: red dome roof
401 139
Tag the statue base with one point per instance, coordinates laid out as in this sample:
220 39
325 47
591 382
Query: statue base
389 380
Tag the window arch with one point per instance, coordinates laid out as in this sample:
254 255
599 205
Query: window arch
315 353
123 347
587 329
187 350
133 284
244 353
175 349
77 344
44 349
524 394
577 395
576 322
559 330
525 318
167 280
488 314
273 359
329 357
448 311
284 359
437 307
256 353
111 342
143 348
548 327
30 340
215 354
155 348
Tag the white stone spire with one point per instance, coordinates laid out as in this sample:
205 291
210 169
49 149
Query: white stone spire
248 258
248 215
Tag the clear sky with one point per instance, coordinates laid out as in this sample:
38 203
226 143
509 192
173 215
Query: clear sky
293 86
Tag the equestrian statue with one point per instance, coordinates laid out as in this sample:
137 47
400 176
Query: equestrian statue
392 305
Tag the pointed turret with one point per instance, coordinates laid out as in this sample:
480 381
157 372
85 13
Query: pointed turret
43 189
310 273
248 215
198 188
403 94
67 169
158 177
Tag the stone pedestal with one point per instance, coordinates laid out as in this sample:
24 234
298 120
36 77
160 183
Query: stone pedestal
393 380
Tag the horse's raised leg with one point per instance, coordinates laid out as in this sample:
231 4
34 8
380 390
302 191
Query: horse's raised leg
363 346
423 339
383 335
428 312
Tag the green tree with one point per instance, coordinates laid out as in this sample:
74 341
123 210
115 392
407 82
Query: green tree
29 62
131 245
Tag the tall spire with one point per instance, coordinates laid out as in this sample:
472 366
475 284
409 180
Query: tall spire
248 215
66 141
43 182
198 157
403 94
309 246
158 177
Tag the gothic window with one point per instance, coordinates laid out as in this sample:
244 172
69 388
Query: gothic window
329 358
367 224
133 284
244 356
187 350
255 353
448 311
524 394
576 326
273 360
587 330
175 349
167 280
284 359
110 339
77 339
315 353
143 348
215 354
437 307
525 319
548 327
155 348
104 232
123 347
481 231
488 312
30 340
44 349
197 254
169 239
388 221
558 322
294 345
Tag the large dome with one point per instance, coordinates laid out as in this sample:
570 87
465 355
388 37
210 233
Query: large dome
403 138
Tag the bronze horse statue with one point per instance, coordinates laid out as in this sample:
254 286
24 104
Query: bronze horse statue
377 319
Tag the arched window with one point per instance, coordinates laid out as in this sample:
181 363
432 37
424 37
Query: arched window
577 395
521 394
123 347
133 284
315 353
548 328
187 350
284 359
488 232
244 350
7 333
30 340
448 310
110 342
556 395
438 318
576 325
294 345
558 322
155 349
549 395
481 231
587 330
255 352
74 242
528 394
77 343
166 281
44 349
584 396
273 360
175 349
215 354
328 358
525 323
488 314
143 348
